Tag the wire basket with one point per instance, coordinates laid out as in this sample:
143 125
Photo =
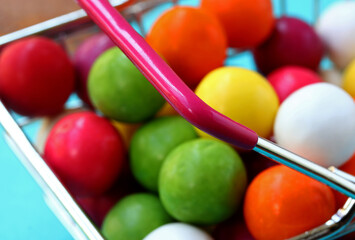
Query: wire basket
66 29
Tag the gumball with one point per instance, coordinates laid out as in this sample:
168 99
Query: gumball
84 56
348 82
333 76
191 40
86 152
120 91
348 236
247 23
47 125
178 231
288 79
134 217
36 76
317 122
126 131
242 95
348 167
255 163
152 143
292 42
97 207
281 203
336 27
202 182
166 110
232 229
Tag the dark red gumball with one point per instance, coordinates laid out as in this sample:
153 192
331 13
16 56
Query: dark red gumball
36 76
232 229
293 42
86 152
288 79
348 167
255 163
83 59
349 236
97 207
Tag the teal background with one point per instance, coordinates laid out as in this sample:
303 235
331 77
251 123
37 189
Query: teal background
23 211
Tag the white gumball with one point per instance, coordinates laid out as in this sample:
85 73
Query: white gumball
336 27
178 231
318 123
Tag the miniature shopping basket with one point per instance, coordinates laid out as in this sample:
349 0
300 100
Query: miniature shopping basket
187 104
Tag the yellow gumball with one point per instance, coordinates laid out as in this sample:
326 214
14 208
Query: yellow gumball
166 110
126 130
349 79
242 95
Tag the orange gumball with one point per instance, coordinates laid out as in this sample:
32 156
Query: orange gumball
281 203
247 23
191 40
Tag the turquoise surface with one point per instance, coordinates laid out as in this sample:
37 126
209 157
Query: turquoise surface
23 211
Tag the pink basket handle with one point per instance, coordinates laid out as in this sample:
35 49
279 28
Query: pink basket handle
164 79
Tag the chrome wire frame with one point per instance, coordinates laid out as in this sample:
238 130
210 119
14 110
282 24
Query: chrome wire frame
337 226
333 177
72 216
67 209
78 20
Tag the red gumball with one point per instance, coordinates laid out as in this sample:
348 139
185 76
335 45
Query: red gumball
36 76
84 57
288 79
293 42
86 152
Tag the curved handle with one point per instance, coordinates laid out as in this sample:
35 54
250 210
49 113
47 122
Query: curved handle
164 79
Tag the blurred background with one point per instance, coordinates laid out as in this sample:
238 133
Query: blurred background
24 213
17 14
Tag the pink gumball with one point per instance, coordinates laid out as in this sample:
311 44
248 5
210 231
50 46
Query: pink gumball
83 59
293 42
286 80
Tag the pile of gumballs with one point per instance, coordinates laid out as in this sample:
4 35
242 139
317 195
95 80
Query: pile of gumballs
141 171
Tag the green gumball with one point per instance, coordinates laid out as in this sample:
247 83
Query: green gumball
120 91
202 182
152 143
134 216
